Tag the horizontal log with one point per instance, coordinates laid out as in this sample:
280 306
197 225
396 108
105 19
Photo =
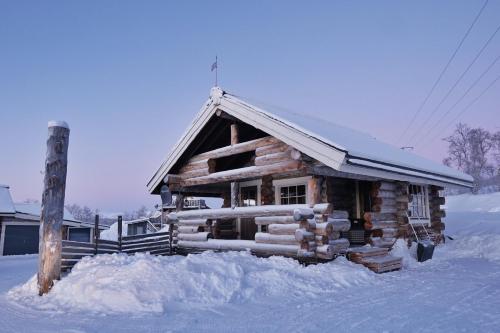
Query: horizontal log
308 245
66 243
235 149
275 220
402 198
188 229
283 229
323 208
193 222
384 209
303 235
339 214
208 164
373 216
308 225
237 212
145 242
261 237
321 239
195 173
278 157
324 229
300 214
198 237
305 254
243 173
271 149
340 245
340 224
144 236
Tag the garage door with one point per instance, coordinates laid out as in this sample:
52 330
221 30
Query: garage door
20 239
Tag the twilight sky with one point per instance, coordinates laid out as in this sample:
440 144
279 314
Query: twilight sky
129 76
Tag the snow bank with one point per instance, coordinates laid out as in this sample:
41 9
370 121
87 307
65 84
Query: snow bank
474 203
112 233
143 283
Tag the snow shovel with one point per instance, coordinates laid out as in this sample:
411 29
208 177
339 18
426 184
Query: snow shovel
425 247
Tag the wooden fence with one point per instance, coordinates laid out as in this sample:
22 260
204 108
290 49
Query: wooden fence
158 243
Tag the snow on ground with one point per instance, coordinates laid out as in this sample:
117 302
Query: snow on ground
474 203
459 290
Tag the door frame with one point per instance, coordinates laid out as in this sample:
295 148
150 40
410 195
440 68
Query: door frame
250 183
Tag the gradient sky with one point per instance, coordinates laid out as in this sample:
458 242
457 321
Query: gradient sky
129 76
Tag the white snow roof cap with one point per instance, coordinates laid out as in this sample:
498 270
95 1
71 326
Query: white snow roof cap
336 146
35 209
6 204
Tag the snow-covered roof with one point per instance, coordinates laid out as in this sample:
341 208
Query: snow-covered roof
336 146
35 208
6 204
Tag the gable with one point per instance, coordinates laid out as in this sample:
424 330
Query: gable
334 146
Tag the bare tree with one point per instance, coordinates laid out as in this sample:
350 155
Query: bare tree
468 150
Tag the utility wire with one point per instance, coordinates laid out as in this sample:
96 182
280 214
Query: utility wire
442 72
461 97
448 93
467 107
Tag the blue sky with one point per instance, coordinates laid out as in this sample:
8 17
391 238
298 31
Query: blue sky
128 76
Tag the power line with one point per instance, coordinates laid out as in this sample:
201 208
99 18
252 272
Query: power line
492 83
443 70
462 97
448 93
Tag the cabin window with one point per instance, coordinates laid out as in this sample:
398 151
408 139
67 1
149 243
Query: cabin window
291 195
418 205
291 191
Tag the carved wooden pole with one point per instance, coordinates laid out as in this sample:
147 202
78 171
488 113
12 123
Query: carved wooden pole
49 262
120 232
96 234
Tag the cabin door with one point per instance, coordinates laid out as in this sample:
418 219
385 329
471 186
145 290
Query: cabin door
248 197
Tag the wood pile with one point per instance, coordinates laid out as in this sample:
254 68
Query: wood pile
375 258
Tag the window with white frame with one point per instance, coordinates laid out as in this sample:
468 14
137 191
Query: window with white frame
418 205
291 195
291 191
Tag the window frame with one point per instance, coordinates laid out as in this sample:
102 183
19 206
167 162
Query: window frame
279 183
425 190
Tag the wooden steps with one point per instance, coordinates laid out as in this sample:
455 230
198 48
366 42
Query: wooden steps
376 259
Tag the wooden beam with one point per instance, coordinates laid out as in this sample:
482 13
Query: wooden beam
239 148
243 173
243 212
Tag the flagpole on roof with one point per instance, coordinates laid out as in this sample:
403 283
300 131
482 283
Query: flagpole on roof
215 66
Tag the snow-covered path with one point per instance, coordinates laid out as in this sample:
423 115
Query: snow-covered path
459 290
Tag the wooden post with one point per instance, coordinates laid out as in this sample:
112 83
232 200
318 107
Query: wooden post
314 191
235 190
56 162
120 233
234 134
96 233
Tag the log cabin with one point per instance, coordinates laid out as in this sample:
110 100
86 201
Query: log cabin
296 185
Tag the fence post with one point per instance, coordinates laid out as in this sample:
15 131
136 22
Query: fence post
119 233
96 233
51 220
170 237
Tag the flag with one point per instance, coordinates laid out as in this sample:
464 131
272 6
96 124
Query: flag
214 66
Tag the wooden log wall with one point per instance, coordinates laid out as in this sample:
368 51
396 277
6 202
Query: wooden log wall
402 200
267 191
340 192
382 219
271 157
436 211
292 230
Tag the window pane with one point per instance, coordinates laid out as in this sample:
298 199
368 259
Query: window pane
293 200
284 192
292 191
301 190
301 200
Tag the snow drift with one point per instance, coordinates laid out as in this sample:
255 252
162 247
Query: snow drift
143 283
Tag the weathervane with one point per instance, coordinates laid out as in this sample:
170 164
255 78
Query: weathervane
215 67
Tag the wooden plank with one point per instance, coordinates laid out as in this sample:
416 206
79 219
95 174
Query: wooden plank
261 237
156 234
77 250
108 242
77 244
147 249
139 245
146 240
